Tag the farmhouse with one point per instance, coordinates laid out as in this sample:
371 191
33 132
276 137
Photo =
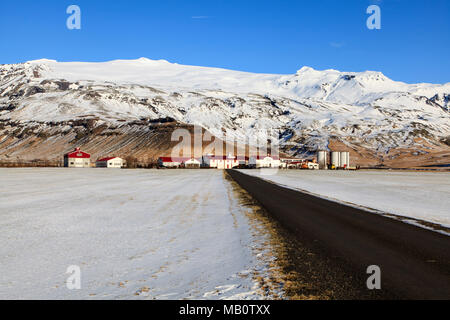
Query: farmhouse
264 162
169 162
191 164
291 163
313 166
110 162
77 159
220 162
177 162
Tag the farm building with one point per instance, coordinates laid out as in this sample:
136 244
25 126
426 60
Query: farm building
313 166
289 163
77 159
264 162
110 162
169 162
191 164
177 162
220 162
292 164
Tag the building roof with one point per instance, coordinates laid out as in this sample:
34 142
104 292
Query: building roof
221 157
176 159
107 159
229 157
263 157
192 160
291 158
77 153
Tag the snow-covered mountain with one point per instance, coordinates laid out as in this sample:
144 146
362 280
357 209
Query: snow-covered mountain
373 116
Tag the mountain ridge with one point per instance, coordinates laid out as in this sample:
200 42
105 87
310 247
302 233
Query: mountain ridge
366 111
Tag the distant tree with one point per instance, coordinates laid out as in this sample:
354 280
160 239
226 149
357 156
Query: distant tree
132 162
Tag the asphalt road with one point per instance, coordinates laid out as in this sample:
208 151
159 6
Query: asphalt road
414 262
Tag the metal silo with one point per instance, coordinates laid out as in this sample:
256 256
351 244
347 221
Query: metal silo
335 159
322 159
345 159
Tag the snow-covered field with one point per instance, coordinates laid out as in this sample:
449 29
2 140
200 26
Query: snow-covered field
166 234
419 195
134 234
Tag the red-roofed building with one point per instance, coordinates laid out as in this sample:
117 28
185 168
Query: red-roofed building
110 162
77 159
176 162
292 163
170 162
222 162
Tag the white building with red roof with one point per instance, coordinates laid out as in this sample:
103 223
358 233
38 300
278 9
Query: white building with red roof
169 162
220 162
292 163
77 159
177 162
265 161
110 162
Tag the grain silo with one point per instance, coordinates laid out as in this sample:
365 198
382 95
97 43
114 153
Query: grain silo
344 159
335 159
322 159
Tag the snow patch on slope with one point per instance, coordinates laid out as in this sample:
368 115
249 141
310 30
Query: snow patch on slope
331 85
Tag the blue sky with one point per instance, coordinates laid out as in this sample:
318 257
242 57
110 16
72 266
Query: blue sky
276 36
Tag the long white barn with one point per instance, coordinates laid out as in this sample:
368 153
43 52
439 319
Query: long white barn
110 162
220 162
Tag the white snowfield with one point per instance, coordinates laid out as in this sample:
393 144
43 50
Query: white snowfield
329 85
420 195
135 234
